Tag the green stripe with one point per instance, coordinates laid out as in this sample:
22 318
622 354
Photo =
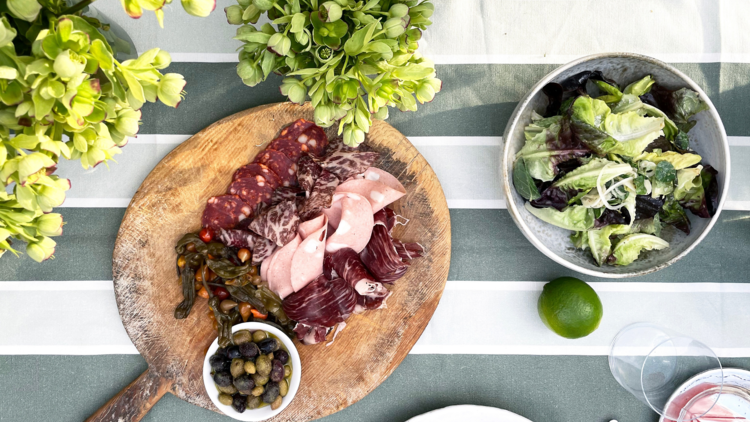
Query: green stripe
541 388
477 100
487 245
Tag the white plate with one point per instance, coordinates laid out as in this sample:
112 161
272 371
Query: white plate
468 413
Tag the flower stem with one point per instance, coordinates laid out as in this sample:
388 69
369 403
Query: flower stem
77 7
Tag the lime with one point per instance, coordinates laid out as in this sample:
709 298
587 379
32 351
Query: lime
570 307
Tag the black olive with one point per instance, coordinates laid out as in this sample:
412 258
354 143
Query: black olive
249 350
244 383
281 355
239 402
219 363
272 391
277 371
221 351
233 352
268 345
223 379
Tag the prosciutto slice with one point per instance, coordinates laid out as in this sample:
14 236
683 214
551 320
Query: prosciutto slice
278 223
346 263
309 334
322 303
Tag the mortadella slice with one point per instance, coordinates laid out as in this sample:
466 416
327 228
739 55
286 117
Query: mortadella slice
306 228
378 194
280 269
307 262
334 211
265 264
355 228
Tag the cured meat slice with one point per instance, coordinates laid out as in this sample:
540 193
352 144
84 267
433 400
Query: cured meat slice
308 334
253 170
262 249
285 194
347 265
300 138
321 196
264 266
370 303
346 164
408 251
381 257
355 227
308 227
277 223
279 271
378 194
322 303
377 175
307 262
307 172
334 211
224 212
252 190
280 164
237 238
316 139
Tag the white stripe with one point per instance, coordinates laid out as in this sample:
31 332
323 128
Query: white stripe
739 141
49 286
533 350
159 139
516 286
450 59
88 350
205 57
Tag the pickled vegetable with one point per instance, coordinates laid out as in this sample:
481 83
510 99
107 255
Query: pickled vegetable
241 337
230 389
277 371
249 350
283 388
259 336
269 345
233 352
244 384
254 401
282 355
259 379
239 403
250 367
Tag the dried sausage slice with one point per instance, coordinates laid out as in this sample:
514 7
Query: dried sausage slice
280 164
252 190
225 211
253 170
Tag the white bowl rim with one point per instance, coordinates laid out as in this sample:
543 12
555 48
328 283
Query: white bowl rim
254 415
507 177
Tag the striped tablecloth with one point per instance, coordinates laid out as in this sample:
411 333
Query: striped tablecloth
65 352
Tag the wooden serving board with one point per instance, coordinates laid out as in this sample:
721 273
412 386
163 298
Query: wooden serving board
169 204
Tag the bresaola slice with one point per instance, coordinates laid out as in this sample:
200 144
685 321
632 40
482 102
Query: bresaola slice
380 255
277 223
345 263
322 303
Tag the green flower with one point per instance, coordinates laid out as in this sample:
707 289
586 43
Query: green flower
395 27
250 73
328 33
234 14
42 249
330 11
353 136
7 32
162 60
279 44
170 90
427 89
27 10
49 224
294 89
201 8
69 64
398 10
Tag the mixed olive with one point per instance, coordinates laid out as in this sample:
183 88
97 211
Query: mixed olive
225 277
253 371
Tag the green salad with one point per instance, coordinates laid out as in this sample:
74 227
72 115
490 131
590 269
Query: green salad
615 166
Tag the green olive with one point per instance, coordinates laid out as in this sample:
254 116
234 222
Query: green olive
263 365
258 391
254 402
225 399
230 389
287 371
237 368
259 336
242 336
276 403
270 356
260 379
250 367
283 388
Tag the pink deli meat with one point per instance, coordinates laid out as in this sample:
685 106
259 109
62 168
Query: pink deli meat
355 227
346 263
277 223
306 228
307 263
279 272
322 303
378 194
225 211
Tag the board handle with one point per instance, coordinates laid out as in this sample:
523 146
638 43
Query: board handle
134 401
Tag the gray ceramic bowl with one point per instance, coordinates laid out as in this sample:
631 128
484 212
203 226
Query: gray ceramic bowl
707 138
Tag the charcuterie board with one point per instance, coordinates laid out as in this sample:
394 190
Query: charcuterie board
170 202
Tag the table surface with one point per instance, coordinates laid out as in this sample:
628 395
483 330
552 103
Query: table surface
64 352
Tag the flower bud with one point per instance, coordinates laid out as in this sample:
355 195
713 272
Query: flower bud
294 89
69 64
394 27
201 8
398 10
263 5
49 224
381 114
127 122
353 136
330 11
41 250
162 60
7 32
279 44
170 90
234 14
27 10
250 73
425 93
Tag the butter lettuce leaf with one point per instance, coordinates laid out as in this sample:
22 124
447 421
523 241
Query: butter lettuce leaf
678 161
576 218
629 247
633 131
586 176
640 87
600 243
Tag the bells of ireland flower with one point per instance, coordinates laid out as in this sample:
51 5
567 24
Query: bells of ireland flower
170 90
280 44
250 73
294 89
41 249
27 10
353 136
395 27
234 14
49 224
7 32
330 11
201 8
69 64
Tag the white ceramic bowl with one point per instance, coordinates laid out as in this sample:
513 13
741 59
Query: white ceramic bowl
708 139
266 412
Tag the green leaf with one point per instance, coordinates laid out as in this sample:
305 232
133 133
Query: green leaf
678 161
413 72
298 23
665 172
587 176
627 250
102 55
640 87
356 44
576 218
523 181
257 37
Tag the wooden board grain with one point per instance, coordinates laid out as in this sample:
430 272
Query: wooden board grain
169 203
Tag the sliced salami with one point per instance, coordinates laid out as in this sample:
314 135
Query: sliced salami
346 164
238 238
253 170
291 141
316 140
280 164
277 223
307 172
321 196
262 249
225 211
252 190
